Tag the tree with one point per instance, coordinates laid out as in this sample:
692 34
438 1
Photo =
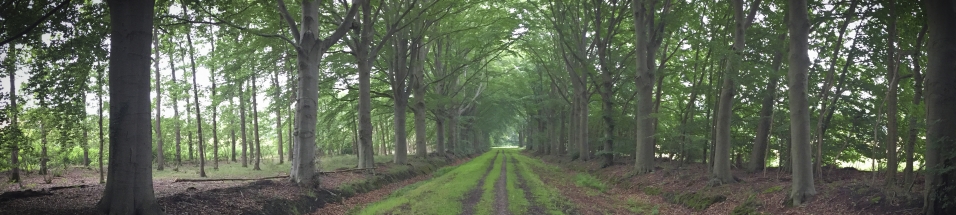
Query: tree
10 63
310 47
722 149
160 158
242 122
940 103
802 186
278 108
255 125
192 64
130 188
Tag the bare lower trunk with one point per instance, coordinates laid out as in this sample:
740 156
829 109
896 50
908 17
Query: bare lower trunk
758 158
43 151
275 85
192 63
940 103
892 131
14 147
802 185
914 109
440 135
160 158
130 188
255 125
99 110
242 125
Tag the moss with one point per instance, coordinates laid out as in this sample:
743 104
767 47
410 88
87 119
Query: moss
749 207
652 190
773 189
694 200
639 207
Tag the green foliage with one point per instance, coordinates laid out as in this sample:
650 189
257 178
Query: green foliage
694 200
749 207
586 180
639 207
772 189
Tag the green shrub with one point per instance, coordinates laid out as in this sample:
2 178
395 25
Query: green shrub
585 180
695 201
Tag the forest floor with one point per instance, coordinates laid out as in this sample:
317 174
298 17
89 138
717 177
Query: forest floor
683 189
75 190
501 181
507 181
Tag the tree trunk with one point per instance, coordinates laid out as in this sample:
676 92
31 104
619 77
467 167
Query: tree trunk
192 64
242 124
160 158
215 114
758 157
940 103
99 110
176 126
86 146
232 136
43 151
14 149
189 144
439 134
310 49
418 106
644 156
892 131
255 124
802 185
914 129
278 107
130 188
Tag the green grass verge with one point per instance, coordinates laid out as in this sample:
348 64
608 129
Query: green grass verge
545 196
586 180
440 195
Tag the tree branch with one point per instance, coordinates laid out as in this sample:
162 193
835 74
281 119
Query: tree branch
35 24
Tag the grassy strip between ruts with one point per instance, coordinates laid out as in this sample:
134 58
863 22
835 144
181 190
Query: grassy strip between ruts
517 202
545 196
487 203
441 195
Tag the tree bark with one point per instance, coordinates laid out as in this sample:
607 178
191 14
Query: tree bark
242 123
192 64
232 136
255 124
418 106
278 107
802 185
176 127
99 110
645 85
914 128
758 156
940 103
43 150
160 158
15 146
892 111
130 188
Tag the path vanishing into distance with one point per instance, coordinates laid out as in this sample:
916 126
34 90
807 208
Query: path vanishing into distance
501 181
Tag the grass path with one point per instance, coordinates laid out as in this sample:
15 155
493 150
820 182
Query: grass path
501 181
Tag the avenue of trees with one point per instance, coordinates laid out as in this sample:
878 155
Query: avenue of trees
137 86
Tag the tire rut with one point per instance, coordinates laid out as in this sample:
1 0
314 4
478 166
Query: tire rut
534 208
474 196
501 189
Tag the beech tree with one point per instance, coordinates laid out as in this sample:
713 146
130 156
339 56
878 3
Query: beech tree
130 186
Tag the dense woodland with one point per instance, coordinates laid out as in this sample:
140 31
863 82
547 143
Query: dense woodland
803 86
